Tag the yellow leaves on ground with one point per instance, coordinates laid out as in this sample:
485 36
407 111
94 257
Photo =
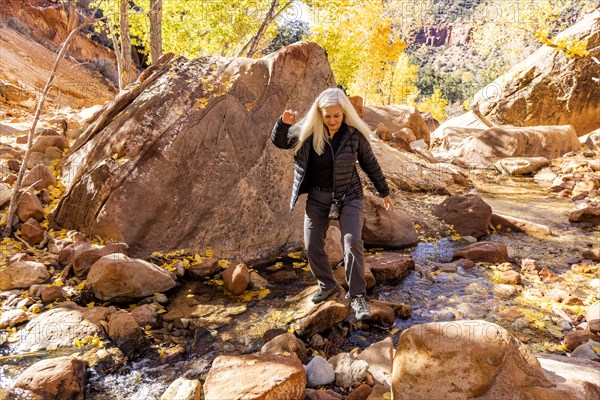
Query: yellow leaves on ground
250 295
296 255
88 340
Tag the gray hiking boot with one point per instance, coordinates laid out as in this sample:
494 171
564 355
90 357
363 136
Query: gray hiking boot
323 294
361 308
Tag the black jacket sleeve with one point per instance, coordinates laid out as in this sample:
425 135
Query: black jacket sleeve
369 164
280 137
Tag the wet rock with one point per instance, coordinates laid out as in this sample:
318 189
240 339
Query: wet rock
12 318
83 260
284 345
521 165
510 277
379 357
469 214
51 294
257 377
491 362
32 232
313 318
236 278
145 315
60 326
390 267
592 316
333 245
586 350
483 252
22 274
402 311
29 207
529 266
575 379
387 229
319 372
348 369
590 215
206 268
40 174
574 339
61 378
116 277
546 275
508 223
592 254
381 314
183 389
124 331
340 277
361 392
172 355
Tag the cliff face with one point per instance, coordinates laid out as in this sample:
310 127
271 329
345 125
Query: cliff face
448 34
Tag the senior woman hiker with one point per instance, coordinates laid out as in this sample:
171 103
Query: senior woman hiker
327 142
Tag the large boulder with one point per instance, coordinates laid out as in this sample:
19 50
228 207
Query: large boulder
310 318
485 148
549 87
463 360
61 378
116 277
395 117
256 377
468 213
22 274
390 229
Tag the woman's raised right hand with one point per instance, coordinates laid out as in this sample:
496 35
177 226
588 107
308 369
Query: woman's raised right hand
289 117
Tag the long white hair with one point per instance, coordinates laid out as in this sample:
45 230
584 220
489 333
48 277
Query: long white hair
312 123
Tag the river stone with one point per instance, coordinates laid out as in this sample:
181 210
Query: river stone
549 87
256 377
361 392
83 260
588 214
60 326
29 207
390 267
574 339
382 314
61 378
390 229
319 372
69 252
236 278
116 277
183 389
40 173
12 318
310 318
145 315
340 276
521 165
22 274
464 359
379 356
206 268
469 214
32 232
333 245
125 332
592 316
483 252
586 350
348 369
285 343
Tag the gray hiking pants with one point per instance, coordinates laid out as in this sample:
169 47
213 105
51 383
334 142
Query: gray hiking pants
316 222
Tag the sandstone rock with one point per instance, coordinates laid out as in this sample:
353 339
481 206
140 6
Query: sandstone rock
323 395
56 378
313 318
548 88
591 140
145 315
490 362
387 229
361 392
483 252
586 186
390 267
508 223
382 314
380 392
85 258
12 318
259 377
333 245
29 207
5 194
340 277
592 316
586 351
285 343
469 214
357 103
51 294
43 142
379 357
22 274
431 123
348 369
402 311
40 174
319 372
574 339
575 378
16 95
116 277
592 254
183 389
510 277
236 278
383 132
529 265
588 214
32 232
521 165
396 117
205 268
69 252
124 331
36 158
59 327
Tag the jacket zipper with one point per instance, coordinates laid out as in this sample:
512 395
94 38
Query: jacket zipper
333 167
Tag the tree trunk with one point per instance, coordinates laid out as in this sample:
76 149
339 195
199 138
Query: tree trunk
125 75
155 16
251 47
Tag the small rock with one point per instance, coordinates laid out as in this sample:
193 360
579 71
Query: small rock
22 274
32 232
29 207
510 277
390 267
183 389
284 345
483 252
144 315
586 351
205 268
589 214
12 318
51 294
382 314
547 275
40 177
529 265
348 369
236 278
592 254
574 339
361 392
124 331
592 316
319 372
257 281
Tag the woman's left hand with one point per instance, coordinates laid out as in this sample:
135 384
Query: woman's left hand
388 203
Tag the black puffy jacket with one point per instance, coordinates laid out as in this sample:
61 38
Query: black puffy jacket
353 147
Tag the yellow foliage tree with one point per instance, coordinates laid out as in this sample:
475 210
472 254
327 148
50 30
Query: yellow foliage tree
436 105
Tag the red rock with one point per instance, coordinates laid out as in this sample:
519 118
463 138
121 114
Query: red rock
205 268
574 339
32 232
286 343
82 261
236 278
124 331
40 177
29 207
382 314
53 293
483 252
387 267
56 378
469 214
360 393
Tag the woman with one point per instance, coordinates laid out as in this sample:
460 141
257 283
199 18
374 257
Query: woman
327 142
